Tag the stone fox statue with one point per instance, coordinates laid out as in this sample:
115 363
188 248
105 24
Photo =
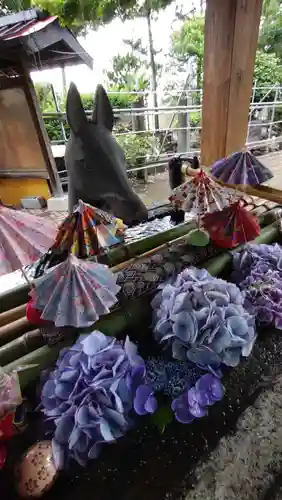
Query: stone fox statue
95 162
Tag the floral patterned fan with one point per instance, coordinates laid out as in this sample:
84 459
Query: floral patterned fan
88 231
75 293
23 238
241 168
201 195
232 226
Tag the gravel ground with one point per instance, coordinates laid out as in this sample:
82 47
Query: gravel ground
245 465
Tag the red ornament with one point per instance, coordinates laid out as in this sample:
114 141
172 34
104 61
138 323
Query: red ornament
3 455
7 429
232 226
33 315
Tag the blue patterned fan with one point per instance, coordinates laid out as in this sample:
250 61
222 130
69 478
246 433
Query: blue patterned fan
75 293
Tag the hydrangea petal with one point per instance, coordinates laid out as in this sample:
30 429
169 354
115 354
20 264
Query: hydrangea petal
63 429
181 410
58 455
151 404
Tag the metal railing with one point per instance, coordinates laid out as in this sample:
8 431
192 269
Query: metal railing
264 129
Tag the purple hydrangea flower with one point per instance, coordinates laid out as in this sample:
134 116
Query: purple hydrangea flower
261 281
203 319
267 256
193 403
144 401
90 395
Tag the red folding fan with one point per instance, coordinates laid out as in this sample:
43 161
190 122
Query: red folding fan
232 226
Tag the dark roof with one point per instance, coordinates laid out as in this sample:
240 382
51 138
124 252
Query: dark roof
39 40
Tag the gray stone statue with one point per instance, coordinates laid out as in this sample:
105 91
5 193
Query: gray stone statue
95 162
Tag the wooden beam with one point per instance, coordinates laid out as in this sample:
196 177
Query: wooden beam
32 101
231 33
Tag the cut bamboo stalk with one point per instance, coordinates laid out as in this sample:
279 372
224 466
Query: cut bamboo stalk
19 295
130 250
12 315
14 297
15 329
20 346
30 365
265 219
124 318
153 251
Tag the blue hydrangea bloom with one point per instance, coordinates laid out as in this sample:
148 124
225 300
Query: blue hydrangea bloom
193 403
203 319
90 395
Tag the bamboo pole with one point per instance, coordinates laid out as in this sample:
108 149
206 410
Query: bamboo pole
19 295
20 346
130 250
13 330
264 219
14 297
116 322
12 315
29 366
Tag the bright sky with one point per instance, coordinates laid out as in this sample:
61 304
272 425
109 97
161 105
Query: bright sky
107 42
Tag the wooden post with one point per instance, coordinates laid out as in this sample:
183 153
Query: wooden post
30 94
231 34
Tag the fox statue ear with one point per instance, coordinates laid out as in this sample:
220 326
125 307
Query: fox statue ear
103 111
75 112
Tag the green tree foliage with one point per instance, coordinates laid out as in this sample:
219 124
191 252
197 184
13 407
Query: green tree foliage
136 147
268 72
47 105
188 42
270 8
270 39
80 14
130 71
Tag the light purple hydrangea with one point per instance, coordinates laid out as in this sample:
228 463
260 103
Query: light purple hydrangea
203 319
194 402
90 395
266 256
258 272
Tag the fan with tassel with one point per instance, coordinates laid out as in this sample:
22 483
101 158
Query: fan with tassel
75 293
201 195
23 238
88 231
231 226
241 168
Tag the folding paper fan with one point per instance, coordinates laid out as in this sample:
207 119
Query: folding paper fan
88 231
232 226
23 238
241 168
201 194
75 293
